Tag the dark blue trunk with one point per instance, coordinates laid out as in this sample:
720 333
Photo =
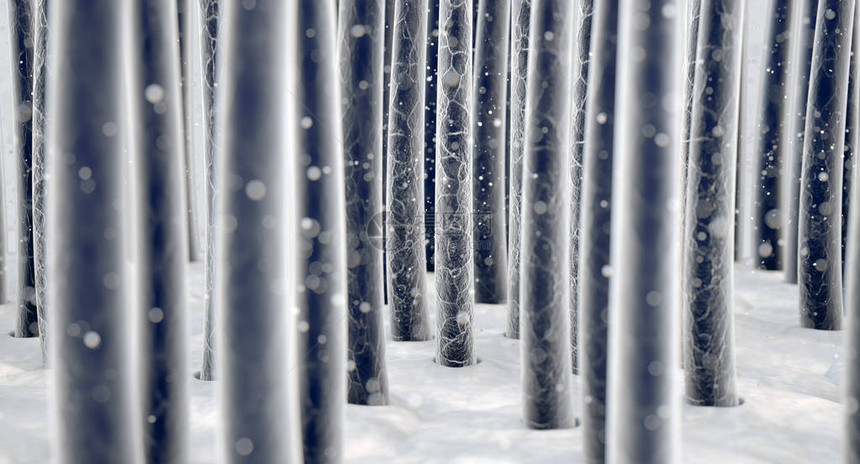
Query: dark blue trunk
159 157
360 36
321 300
91 327
545 323
820 225
709 361
595 270
488 168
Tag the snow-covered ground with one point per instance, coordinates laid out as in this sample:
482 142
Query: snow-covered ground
791 411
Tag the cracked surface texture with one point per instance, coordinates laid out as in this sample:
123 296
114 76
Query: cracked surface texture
583 13
209 11
820 225
520 16
709 361
454 271
545 298
360 48
405 251
40 63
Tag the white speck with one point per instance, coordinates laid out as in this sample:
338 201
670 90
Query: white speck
765 250
653 298
322 339
357 31
255 190
652 422
820 265
244 446
92 340
372 385
303 326
497 122
462 318
155 315
151 419
109 129
85 173
306 122
540 207
829 14
314 173
601 118
450 78
548 36
823 176
606 271
153 93
364 307
669 11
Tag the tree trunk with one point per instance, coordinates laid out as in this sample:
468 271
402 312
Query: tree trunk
432 60
184 23
40 75
405 183
802 39
256 394
209 10
322 308
488 169
769 167
91 331
21 17
158 156
852 305
455 339
851 141
644 413
360 37
520 17
579 90
820 225
545 324
709 239
595 270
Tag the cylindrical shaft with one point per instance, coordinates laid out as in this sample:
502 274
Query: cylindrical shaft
322 262
455 336
405 182
360 42
95 413
820 224
644 420
544 289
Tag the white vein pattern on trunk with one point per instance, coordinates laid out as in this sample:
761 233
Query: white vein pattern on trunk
645 296
322 254
360 49
520 18
40 67
488 168
709 238
545 284
209 11
21 22
405 251
454 332
579 90
820 224
595 271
